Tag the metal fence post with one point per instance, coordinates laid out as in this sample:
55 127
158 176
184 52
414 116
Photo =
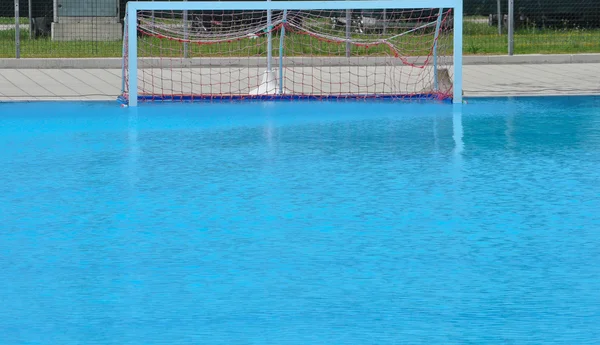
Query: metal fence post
269 41
30 14
17 31
55 11
499 14
185 34
384 21
511 27
348 23
153 16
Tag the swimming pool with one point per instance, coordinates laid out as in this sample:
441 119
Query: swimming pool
301 223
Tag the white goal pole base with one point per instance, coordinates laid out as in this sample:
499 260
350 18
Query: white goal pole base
268 86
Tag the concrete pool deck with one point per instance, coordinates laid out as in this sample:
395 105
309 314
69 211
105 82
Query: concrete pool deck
100 79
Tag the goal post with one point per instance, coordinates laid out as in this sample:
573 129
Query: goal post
213 50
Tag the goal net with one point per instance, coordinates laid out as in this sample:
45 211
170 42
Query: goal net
189 54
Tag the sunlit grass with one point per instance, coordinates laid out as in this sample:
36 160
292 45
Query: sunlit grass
479 39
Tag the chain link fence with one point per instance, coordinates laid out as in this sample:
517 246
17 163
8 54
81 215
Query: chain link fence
540 27
93 28
62 28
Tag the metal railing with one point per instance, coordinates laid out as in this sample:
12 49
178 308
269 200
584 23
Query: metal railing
74 28
533 27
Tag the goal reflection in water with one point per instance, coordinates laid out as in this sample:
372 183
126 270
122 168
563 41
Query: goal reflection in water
304 222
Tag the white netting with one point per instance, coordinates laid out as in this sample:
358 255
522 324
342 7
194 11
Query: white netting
346 53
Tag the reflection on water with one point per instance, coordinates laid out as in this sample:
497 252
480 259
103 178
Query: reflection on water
296 223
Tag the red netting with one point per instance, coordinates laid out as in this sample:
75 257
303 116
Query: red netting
313 54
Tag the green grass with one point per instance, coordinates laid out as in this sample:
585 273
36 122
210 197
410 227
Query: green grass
538 43
479 39
299 45
11 20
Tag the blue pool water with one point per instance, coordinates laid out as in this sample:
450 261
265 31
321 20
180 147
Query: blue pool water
301 223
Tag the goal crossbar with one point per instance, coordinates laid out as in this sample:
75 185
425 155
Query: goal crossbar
287 5
134 6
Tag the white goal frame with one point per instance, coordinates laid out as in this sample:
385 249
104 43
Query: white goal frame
134 6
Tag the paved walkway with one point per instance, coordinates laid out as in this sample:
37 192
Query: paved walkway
480 80
59 84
